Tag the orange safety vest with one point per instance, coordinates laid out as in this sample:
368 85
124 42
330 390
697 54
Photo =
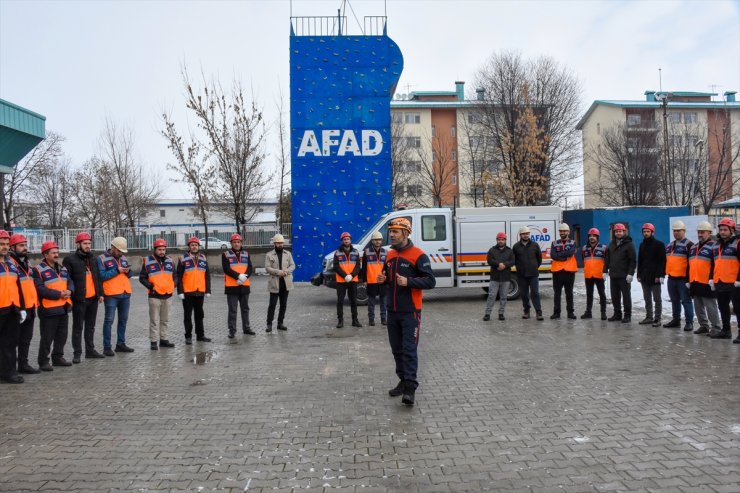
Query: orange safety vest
9 294
677 258
374 262
194 273
593 261
347 262
569 265
239 264
30 296
726 263
118 284
161 274
89 283
700 262
56 280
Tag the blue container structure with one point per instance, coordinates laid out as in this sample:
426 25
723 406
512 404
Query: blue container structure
581 220
340 93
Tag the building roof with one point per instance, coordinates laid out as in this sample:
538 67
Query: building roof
20 131
656 105
733 202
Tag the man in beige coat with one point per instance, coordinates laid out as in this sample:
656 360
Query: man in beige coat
280 266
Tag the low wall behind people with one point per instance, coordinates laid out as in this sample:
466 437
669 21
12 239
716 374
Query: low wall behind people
134 257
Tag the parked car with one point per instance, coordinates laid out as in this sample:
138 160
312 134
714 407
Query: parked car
213 242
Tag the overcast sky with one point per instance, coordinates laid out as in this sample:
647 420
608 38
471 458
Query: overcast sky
78 62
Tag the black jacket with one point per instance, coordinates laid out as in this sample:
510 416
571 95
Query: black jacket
527 258
410 262
621 262
77 265
228 271
497 256
651 261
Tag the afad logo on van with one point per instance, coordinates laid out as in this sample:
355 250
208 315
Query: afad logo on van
539 235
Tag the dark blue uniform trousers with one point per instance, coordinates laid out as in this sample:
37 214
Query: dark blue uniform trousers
403 334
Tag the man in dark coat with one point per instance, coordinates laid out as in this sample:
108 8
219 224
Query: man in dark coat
501 259
651 274
528 258
620 265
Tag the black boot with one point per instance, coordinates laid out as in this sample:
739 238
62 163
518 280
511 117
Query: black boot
397 390
408 394
676 322
340 323
603 314
725 333
525 314
356 323
153 346
617 317
539 316
586 315
555 316
486 317
572 315
702 330
24 367
93 354
501 316
648 320
166 343
626 319
688 327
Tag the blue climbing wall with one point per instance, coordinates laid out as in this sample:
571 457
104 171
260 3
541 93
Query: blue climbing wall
340 94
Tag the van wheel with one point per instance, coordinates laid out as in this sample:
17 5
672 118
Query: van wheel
513 290
362 294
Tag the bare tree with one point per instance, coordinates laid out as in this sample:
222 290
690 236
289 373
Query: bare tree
679 165
629 167
191 169
404 162
234 142
477 157
284 196
437 172
87 188
51 193
134 191
511 83
18 184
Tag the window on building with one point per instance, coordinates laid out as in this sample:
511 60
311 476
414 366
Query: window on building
433 228
633 120
454 179
453 155
397 117
690 117
434 131
162 213
411 166
453 131
434 155
413 142
598 129
413 190
411 117
674 117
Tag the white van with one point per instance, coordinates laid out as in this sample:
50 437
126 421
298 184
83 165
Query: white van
457 241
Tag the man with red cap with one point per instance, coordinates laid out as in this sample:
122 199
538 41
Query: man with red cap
594 259
12 313
620 265
651 262
237 266
347 267
193 286
54 288
501 259
158 277
19 257
83 270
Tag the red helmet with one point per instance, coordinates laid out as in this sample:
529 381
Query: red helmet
83 237
4 234
619 227
345 235
647 226
194 239
236 237
594 231
726 221
159 242
17 238
501 235
48 245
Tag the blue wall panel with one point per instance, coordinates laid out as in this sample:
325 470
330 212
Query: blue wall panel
340 92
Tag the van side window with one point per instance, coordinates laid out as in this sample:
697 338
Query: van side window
384 229
433 228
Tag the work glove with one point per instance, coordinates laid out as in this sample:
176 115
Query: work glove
181 296
348 278
208 295
23 315
629 278
662 280
737 284
711 284
242 278
688 285
605 276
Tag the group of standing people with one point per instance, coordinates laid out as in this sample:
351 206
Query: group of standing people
52 290
702 277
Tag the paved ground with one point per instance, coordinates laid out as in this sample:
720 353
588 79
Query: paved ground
520 405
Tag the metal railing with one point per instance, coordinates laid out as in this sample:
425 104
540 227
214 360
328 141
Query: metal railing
318 25
374 25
